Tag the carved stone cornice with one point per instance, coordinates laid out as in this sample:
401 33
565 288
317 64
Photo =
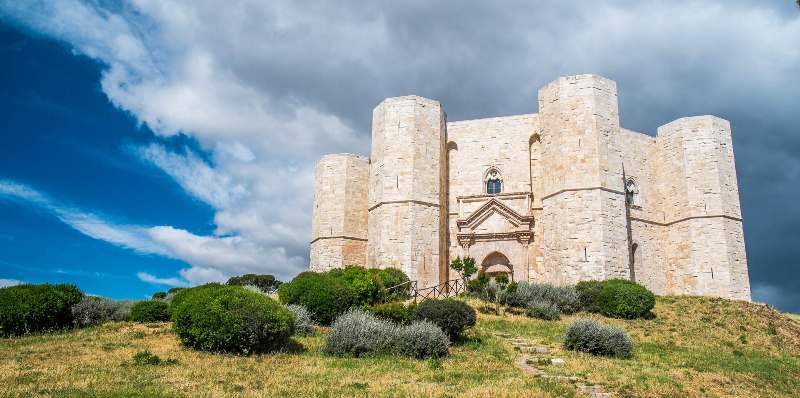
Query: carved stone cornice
486 210
468 239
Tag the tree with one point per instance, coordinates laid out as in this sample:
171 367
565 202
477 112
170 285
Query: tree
265 283
466 267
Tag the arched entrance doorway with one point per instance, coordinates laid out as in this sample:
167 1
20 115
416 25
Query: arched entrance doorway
497 263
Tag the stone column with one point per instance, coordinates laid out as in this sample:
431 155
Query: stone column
705 241
339 220
583 215
407 197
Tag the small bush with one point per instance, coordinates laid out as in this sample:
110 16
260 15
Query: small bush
92 310
511 288
120 310
588 292
545 310
396 312
150 311
451 315
563 297
37 308
265 283
477 286
620 298
422 340
502 280
182 294
362 283
159 296
326 297
146 358
388 281
230 319
303 322
358 333
595 338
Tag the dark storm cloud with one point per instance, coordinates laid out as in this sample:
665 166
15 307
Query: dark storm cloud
735 59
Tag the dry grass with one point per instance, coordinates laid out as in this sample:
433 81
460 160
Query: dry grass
695 347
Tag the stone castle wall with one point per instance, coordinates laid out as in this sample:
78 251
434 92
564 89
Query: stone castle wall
563 215
583 190
339 222
474 147
407 173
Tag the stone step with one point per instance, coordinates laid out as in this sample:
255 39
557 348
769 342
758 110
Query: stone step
590 389
531 349
557 362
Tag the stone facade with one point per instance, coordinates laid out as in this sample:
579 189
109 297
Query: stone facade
560 196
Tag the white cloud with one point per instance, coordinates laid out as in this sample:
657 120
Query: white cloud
195 176
211 258
129 236
174 282
9 282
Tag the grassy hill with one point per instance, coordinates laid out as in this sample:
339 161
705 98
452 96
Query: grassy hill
695 347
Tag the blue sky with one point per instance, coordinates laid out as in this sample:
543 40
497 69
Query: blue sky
149 144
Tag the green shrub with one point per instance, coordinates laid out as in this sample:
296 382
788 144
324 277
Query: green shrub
389 280
93 310
325 296
159 296
37 308
146 358
588 292
502 280
265 283
595 338
545 310
181 294
396 312
360 282
230 319
620 298
563 297
478 285
303 322
150 311
358 333
451 315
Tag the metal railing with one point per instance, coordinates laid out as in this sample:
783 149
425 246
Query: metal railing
446 289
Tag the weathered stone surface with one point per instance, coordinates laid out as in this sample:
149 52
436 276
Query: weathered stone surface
339 223
557 362
582 198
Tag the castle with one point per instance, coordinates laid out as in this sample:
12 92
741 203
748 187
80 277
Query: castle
559 196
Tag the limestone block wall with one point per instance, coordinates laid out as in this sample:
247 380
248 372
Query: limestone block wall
584 214
474 147
407 187
701 208
645 217
339 221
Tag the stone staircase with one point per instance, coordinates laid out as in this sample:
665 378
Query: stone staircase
544 358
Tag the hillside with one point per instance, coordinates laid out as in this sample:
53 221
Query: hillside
695 347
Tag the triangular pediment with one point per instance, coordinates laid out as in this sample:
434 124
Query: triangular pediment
494 216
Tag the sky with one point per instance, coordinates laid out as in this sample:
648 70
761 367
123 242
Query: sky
148 144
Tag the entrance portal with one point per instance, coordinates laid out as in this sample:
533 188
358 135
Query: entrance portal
497 263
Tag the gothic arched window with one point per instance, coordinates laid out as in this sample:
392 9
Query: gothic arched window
494 182
631 192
